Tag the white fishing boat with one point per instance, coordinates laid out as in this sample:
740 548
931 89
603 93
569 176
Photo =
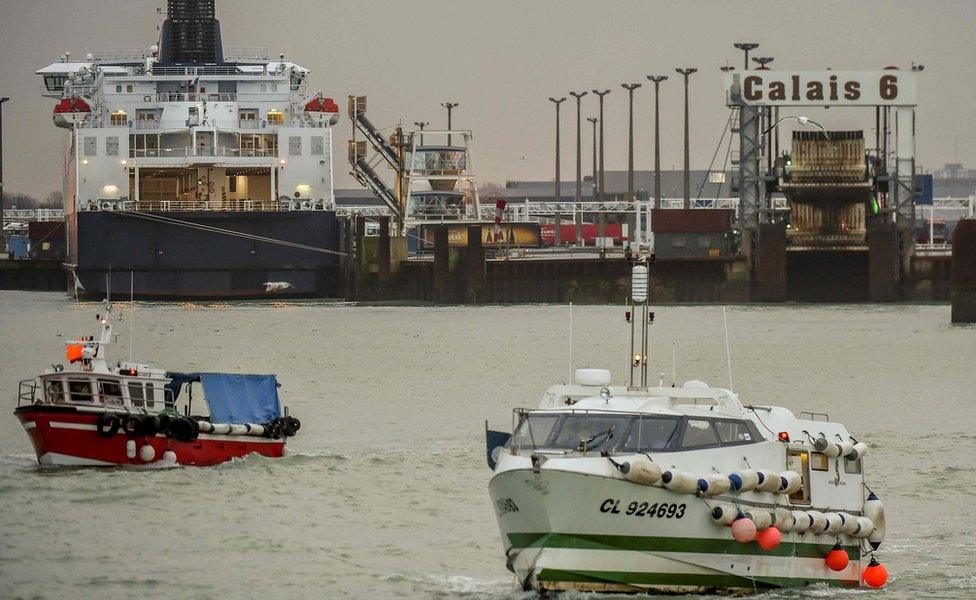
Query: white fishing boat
681 488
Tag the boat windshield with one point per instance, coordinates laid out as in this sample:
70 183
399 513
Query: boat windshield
587 431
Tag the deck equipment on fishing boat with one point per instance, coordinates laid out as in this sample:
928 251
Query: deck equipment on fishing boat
636 488
98 414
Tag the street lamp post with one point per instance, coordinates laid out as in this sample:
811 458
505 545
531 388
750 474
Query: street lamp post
2 101
657 79
687 204
559 235
593 120
450 106
631 217
579 168
746 47
601 189
421 125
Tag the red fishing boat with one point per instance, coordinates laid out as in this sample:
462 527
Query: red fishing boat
94 413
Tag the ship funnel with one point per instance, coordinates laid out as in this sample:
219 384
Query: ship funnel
190 34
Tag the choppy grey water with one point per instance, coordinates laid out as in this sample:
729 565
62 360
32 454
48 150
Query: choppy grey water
385 494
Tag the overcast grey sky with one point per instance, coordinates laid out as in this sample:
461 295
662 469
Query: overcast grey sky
502 59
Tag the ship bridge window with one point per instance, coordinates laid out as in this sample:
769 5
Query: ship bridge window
698 433
53 391
80 390
54 83
110 392
650 434
734 432
533 430
118 119
583 432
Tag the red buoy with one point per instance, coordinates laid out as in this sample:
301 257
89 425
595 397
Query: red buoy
837 559
875 574
769 538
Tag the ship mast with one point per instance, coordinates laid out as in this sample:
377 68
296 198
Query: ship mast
639 336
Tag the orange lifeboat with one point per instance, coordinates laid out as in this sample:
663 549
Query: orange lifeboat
71 110
322 109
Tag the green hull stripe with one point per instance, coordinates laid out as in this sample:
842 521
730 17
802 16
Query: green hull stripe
684 579
584 541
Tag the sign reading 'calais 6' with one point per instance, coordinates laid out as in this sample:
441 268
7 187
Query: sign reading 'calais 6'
822 88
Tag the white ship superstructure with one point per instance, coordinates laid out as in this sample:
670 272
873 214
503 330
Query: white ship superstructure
179 137
239 135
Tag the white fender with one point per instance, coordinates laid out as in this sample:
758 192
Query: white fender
833 450
769 481
802 521
865 527
790 481
169 457
205 426
834 522
221 428
784 519
724 513
850 524
859 450
147 453
237 429
820 444
255 430
679 481
818 521
642 470
846 447
714 484
745 480
130 449
760 516
874 510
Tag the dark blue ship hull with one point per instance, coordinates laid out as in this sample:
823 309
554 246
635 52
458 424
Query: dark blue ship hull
162 260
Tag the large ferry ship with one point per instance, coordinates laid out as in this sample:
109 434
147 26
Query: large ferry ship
191 172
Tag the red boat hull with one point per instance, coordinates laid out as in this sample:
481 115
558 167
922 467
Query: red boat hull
68 436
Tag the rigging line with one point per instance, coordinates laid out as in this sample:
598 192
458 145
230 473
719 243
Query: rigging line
718 147
229 232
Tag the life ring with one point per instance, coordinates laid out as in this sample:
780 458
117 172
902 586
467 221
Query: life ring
132 425
108 425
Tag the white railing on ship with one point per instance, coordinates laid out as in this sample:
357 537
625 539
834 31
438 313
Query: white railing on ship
193 151
244 53
195 97
32 214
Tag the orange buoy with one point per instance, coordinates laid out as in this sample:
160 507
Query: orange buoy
875 574
769 538
74 353
837 559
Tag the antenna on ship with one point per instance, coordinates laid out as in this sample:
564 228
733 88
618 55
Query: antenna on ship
638 299
728 353
132 306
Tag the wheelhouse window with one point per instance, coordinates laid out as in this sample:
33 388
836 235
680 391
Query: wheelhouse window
650 434
533 430
80 390
698 433
582 431
110 392
734 432
136 394
53 390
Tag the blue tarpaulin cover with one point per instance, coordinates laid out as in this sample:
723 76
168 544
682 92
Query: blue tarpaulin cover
241 398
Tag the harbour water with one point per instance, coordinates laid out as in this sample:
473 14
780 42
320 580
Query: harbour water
385 493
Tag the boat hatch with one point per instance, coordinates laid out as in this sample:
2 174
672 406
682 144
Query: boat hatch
582 431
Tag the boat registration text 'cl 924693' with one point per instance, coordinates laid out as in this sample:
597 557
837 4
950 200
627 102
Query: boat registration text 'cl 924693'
664 510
